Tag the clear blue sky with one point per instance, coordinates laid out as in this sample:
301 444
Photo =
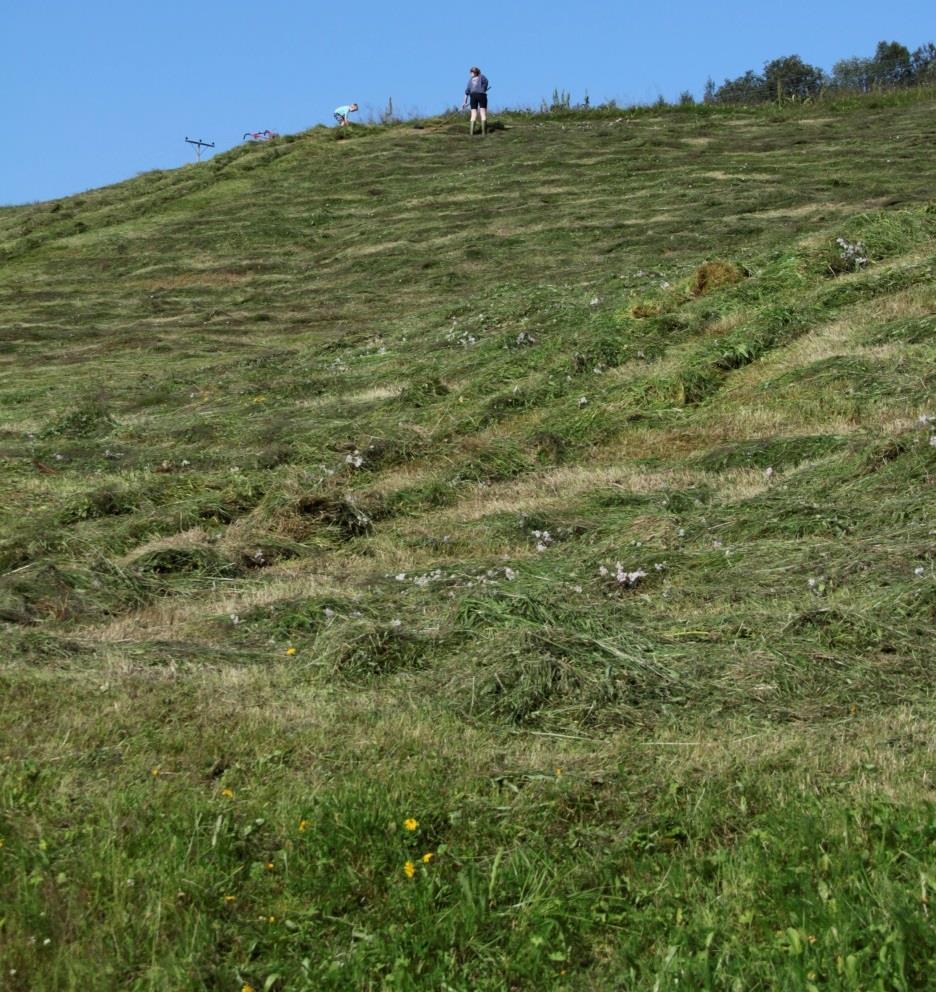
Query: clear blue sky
94 91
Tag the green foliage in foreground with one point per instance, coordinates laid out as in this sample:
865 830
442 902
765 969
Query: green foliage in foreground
504 565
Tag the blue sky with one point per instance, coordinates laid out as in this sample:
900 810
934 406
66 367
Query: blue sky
94 92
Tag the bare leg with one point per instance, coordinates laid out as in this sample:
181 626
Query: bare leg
474 117
484 120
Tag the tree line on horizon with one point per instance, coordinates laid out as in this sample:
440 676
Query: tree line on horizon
892 66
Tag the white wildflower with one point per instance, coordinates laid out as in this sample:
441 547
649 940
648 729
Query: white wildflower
594 301
768 471
919 570
329 613
355 459
509 574
602 571
583 401
854 255
235 619
396 623
401 577
629 579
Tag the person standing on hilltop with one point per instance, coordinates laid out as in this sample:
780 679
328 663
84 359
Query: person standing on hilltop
476 95
341 113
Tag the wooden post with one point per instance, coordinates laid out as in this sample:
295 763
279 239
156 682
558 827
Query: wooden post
199 145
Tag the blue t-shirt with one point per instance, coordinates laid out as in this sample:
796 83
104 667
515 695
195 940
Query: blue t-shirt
343 110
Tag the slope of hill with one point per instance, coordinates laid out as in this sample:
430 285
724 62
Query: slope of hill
500 564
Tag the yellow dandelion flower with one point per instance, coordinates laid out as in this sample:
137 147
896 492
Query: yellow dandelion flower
409 869
247 988
427 857
227 793
303 826
154 771
271 919
290 650
270 866
558 773
230 899
411 824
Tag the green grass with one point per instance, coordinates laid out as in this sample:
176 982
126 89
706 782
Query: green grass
321 462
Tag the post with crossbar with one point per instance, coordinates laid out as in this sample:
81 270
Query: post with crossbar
199 145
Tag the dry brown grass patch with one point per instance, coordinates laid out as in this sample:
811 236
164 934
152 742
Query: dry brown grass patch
714 275
195 537
800 211
727 322
646 308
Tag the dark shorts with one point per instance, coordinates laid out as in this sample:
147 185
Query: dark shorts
477 100
339 118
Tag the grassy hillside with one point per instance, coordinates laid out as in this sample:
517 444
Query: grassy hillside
493 564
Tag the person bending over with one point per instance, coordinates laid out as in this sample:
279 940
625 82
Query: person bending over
341 113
